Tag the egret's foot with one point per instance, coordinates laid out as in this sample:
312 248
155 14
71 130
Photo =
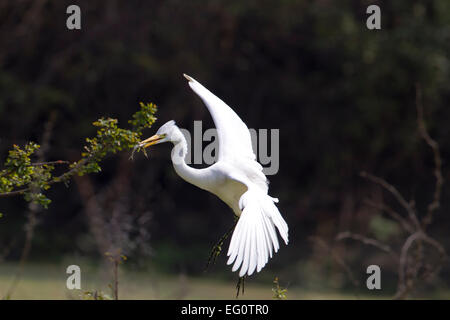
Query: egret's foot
240 286
138 148
217 249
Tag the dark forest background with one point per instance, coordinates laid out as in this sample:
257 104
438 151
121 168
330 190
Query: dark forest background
343 97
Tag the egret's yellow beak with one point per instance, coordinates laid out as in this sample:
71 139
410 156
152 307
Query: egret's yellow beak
151 141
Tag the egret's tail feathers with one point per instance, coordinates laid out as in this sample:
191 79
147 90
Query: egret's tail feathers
255 238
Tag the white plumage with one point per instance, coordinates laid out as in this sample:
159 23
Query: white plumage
237 179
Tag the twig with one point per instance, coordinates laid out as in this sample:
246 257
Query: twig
29 232
409 270
33 209
405 286
49 163
240 286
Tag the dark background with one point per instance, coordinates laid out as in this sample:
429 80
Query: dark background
342 96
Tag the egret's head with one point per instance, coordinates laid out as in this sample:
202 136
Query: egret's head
168 132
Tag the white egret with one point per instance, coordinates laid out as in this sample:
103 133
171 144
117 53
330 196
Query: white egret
236 178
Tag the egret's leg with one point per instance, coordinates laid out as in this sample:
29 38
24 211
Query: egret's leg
217 249
240 286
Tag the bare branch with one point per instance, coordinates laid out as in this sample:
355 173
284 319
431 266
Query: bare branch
439 247
33 208
403 286
406 285
14 193
408 206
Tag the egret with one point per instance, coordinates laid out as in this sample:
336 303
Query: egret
236 178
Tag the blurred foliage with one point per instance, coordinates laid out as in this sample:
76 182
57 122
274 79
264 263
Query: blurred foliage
95 295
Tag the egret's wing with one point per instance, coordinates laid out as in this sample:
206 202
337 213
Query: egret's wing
233 134
255 238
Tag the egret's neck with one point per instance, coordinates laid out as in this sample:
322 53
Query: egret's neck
191 175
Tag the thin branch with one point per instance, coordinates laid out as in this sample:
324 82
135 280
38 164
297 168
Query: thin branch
49 163
37 164
217 248
434 205
14 193
412 266
392 213
116 279
408 206
29 233
367 241
403 286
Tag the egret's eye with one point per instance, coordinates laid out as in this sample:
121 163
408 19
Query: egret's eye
237 179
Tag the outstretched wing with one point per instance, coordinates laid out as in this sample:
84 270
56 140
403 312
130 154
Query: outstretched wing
235 144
